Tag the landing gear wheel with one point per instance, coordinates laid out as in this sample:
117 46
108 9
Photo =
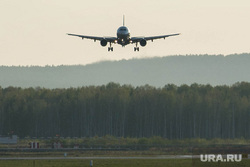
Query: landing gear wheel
110 49
136 49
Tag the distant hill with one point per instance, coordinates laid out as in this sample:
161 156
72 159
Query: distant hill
201 69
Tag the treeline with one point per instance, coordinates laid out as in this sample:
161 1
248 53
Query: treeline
155 71
195 111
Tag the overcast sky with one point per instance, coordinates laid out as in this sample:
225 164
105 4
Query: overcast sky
33 32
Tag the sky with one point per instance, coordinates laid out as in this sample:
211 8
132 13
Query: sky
34 32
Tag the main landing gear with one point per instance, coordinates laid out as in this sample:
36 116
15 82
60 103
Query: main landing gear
136 48
110 48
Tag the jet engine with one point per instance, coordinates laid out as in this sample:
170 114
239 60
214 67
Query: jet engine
104 42
143 42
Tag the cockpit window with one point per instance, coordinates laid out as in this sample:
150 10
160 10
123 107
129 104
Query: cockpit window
123 29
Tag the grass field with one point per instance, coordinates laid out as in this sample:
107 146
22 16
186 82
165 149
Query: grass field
80 153
98 163
118 163
180 147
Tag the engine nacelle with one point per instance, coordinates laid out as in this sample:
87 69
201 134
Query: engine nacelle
143 42
104 42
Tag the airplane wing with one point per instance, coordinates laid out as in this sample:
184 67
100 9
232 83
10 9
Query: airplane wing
109 39
138 39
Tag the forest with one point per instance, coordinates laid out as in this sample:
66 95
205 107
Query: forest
172 112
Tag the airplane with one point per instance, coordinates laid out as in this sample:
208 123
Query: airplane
123 38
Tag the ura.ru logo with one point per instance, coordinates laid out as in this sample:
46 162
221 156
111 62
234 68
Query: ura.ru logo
221 158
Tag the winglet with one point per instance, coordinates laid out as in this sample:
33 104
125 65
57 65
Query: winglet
123 20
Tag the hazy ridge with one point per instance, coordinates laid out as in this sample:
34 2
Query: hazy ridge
201 69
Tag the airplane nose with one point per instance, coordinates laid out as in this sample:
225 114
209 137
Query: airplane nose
122 33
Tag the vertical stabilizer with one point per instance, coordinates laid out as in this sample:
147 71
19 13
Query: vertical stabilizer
123 20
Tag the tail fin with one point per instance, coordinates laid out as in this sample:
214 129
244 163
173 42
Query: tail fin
123 20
